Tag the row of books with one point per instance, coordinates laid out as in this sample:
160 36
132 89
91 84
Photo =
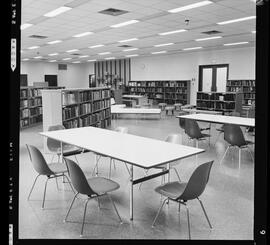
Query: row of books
70 112
33 120
215 105
24 122
69 98
34 92
97 105
241 83
35 111
173 83
35 102
23 103
249 96
85 96
93 118
249 89
216 96
71 124
23 93
24 113
97 95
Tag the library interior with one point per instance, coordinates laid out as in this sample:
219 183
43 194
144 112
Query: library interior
137 119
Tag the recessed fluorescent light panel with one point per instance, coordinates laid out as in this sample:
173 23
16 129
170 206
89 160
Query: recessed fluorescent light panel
26 25
159 52
25 59
57 11
83 56
190 6
54 42
75 62
130 49
128 40
172 32
132 55
37 57
72 50
83 34
124 23
110 58
97 46
163 44
67 59
104 53
231 44
91 60
207 38
33 47
53 54
236 20
192 48
52 60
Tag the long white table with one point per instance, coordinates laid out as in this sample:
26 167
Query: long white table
135 150
202 111
221 119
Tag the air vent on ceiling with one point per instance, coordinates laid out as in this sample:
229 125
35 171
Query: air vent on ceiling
62 66
125 46
38 36
75 54
113 12
211 32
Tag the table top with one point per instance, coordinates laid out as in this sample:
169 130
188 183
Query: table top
125 110
139 151
201 111
241 121
132 96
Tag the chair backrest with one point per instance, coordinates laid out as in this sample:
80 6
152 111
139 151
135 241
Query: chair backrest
38 161
123 130
234 135
78 179
197 182
54 145
192 129
174 138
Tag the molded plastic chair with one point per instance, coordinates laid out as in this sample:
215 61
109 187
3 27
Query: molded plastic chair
193 130
53 170
175 139
234 136
182 192
123 130
92 188
55 146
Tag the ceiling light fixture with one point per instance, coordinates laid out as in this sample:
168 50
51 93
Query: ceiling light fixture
83 34
163 44
171 32
104 53
25 25
53 54
52 60
33 47
110 58
128 40
130 49
159 52
54 42
75 62
132 55
72 50
37 57
192 48
57 11
190 6
67 59
96 46
25 59
236 20
124 23
91 60
231 44
207 38
83 56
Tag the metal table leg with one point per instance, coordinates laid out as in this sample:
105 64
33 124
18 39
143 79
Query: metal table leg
131 193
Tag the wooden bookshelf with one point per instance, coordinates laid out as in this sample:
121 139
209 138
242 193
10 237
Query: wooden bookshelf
170 92
31 105
77 107
219 101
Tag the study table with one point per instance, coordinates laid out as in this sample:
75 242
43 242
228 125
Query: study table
221 119
137 99
192 110
134 150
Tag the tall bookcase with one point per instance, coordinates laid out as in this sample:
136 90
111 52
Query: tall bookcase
31 105
219 101
77 107
170 92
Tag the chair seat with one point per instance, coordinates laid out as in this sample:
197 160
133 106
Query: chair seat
172 190
68 150
58 167
102 185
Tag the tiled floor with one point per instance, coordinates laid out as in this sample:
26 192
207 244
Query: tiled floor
228 197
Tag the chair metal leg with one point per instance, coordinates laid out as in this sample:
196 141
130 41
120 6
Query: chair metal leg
85 206
121 222
145 174
114 164
176 173
98 203
189 236
239 159
250 154
179 207
70 206
69 183
127 168
76 159
224 154
205 214
57 184
110 168
159 211
32 187
44 193
58 158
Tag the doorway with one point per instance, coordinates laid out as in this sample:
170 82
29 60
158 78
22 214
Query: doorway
213 78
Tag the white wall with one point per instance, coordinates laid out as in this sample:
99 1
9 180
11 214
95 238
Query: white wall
76 75
185 66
